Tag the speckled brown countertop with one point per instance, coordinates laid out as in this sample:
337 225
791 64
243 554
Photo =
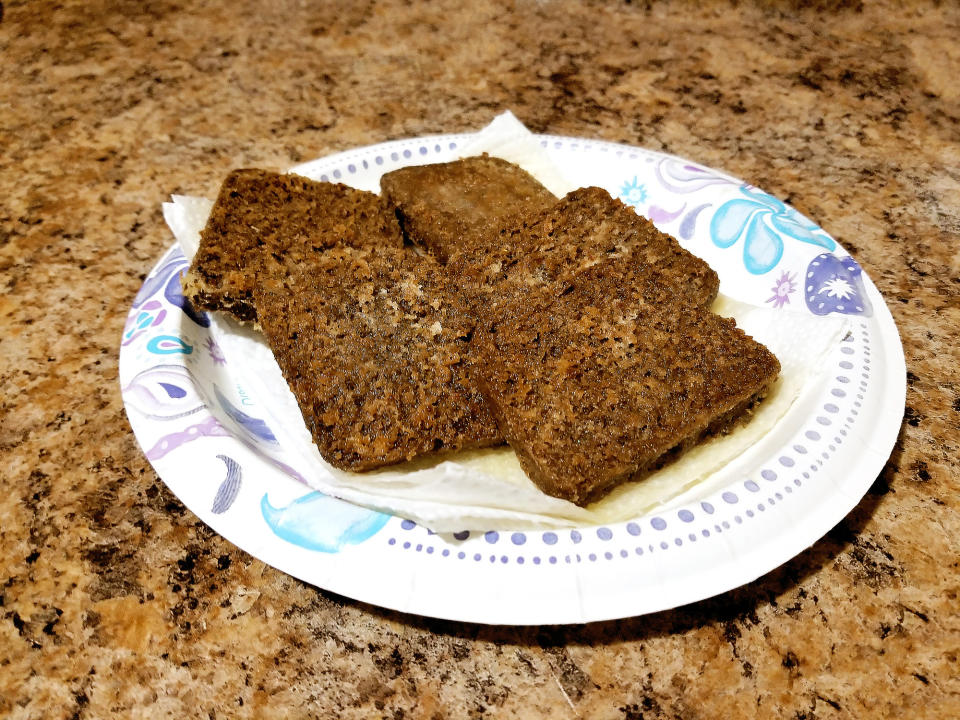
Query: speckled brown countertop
115 601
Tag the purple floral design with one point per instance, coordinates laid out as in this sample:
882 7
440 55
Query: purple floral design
163 392
782 288
174 295
661 216
256 428
208 427
681 177
835 285
155 283
216 354
211 427
150 314
167 279
689 222
229 488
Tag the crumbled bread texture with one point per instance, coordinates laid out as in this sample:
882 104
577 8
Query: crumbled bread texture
588 230
374 354
448 207
264 222
595 391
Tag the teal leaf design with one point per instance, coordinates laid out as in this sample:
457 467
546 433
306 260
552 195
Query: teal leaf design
764 198
319 522
168 345
764 223
731 220
762 249
799 228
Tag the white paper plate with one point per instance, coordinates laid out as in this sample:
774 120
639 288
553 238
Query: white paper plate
203 434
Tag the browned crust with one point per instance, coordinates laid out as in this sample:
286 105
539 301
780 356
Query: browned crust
588 231
374 354
448 207
592 391
723 424
266 223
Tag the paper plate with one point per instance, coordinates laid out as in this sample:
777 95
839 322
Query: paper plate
202 432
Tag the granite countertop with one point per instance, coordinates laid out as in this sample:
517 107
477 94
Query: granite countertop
116 601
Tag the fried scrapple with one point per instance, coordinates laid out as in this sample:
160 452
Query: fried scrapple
593 390
586 229
447 207
374 353
286 219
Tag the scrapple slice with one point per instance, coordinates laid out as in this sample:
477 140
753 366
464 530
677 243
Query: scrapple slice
288 219
374 353
446 207
592 391
588 230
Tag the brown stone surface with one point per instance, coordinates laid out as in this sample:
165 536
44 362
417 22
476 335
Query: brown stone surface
115 601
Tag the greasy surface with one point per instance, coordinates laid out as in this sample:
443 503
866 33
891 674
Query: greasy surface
587 232
374 353
116 602
445 207
593 388
262 218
